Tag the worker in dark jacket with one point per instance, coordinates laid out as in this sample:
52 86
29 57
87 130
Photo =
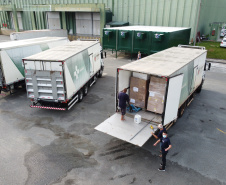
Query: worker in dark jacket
166 146
159 136
123 98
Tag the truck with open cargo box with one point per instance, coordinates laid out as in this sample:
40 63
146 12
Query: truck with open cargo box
12 52
162 84
60 77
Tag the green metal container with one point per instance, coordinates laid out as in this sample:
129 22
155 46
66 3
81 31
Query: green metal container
109 39
159 42
116 24
141 42
124 42
146 39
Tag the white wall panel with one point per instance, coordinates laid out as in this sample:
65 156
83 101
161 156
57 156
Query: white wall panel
53 20
83 23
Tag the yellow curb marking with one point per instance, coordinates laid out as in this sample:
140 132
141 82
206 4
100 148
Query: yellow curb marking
221 131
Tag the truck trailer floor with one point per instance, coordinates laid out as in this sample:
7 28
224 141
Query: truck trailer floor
62 148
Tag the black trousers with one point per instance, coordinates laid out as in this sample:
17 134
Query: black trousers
164 160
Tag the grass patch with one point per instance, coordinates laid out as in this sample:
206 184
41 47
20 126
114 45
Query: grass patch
213 49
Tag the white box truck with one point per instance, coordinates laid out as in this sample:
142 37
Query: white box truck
12 53
60 77
179 72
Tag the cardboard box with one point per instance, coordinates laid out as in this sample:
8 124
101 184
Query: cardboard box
138 92
156 96
141 76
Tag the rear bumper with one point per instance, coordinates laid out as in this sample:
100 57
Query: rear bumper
43 107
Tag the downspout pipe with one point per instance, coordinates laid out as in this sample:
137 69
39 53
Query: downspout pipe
196 30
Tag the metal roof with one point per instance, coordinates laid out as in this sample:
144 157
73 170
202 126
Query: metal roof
149 28
164 63
27 42
62 53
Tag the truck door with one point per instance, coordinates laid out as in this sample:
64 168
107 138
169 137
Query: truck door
194 78
44 80
1 77
173 98
91 64
127 130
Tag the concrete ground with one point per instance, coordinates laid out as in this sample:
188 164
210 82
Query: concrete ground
40 147
216 60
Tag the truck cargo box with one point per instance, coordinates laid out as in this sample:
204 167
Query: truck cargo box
59 77
11 68
175 74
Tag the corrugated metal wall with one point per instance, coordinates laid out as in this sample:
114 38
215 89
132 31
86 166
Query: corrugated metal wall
40 16
180 13
211 11
22 3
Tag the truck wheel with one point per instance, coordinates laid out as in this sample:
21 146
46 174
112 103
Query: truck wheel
85 89
181 110
199 89
100 73
16 86
23 85
80 95
95 78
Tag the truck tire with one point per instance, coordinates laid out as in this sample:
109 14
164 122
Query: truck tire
80 95
16 86
199 89
85 89
181 110
23 85
95 78
100 72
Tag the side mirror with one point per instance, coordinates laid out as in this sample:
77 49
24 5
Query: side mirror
205 67
209 66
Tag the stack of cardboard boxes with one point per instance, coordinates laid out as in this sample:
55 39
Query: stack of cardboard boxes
139 90
156 97
148 96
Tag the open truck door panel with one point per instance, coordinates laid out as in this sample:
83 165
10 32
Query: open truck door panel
127 130
173 98
174 68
